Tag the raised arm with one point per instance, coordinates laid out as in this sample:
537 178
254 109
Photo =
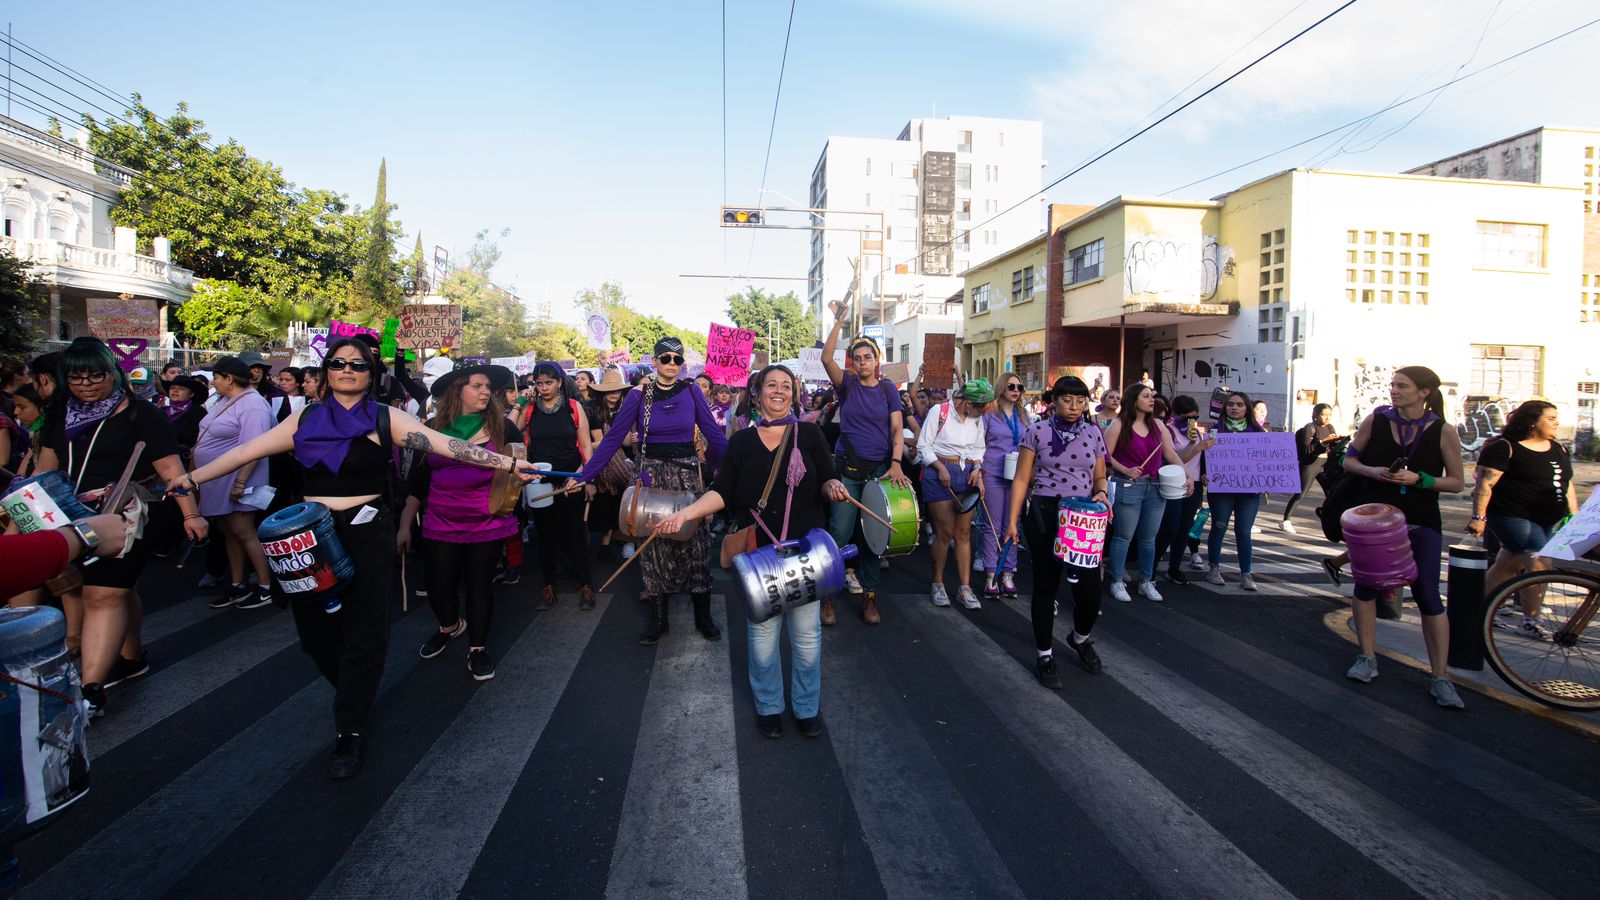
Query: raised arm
830 344
279 440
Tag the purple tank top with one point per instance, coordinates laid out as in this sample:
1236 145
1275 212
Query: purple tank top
457 511
1133 448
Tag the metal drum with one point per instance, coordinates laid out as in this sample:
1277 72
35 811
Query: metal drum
782 576
643 506
1379 543
303 551
899 506
1081 532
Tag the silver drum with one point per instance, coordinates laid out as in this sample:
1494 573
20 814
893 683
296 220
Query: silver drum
642 507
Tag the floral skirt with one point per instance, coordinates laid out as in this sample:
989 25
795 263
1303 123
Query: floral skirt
670 566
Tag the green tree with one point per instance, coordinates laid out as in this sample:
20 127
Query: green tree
417 269
268 323
22 304
758 310
557 341
375 287
494 322
214 318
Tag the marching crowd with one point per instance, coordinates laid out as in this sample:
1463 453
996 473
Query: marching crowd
435 467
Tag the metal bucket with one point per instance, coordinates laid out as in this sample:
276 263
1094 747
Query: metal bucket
1379 543
782 576
642 507
303 550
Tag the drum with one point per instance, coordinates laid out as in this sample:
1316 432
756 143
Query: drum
43 502
643 506
1081 532
1380 546
303 551
782 576
896 504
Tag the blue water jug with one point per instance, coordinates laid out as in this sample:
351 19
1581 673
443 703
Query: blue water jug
308 562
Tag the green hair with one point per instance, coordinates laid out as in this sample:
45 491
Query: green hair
89 354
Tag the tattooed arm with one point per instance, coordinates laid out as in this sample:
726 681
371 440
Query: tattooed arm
413 435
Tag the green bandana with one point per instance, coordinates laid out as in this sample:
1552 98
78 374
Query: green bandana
465 426
1231 425
977 391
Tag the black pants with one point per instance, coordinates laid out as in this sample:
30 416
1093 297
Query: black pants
1174 537
448 565
1308 477
349 646
563 539
1039 529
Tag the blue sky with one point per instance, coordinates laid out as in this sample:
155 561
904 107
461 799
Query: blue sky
594 131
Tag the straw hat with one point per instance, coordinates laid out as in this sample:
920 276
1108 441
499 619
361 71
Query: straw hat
612 380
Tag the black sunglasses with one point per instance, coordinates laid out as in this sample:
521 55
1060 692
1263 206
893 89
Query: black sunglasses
1013 387
669 359
354 365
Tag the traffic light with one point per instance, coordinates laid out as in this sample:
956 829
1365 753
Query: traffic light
741 216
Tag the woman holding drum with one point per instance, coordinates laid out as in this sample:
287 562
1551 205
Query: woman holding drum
1062 461
777 477
1004 425
344 445
666 411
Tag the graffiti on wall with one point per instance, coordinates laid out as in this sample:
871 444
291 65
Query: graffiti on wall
1236 368
1176 271
1371 388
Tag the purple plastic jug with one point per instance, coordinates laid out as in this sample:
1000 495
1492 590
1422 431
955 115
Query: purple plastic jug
779 576
1379 545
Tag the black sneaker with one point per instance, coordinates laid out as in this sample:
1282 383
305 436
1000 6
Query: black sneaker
1088 658
348 751
1048 674
436 642
261 596
770 726
125 669
234 594
508 576
811 727
94 700
480 664
1176 576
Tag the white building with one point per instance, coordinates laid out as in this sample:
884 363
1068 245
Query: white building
56 198
915 212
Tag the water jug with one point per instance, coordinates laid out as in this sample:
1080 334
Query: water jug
780 576
305 555
1379 545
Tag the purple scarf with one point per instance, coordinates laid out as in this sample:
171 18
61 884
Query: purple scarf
83 416
1064 433
1410 429
175 411
786 420
327 429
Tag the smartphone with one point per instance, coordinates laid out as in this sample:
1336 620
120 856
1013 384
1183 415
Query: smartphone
1194 429
1398 464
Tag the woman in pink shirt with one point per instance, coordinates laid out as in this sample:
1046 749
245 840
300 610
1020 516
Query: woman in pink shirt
1140 445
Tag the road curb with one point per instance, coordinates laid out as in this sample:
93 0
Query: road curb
1338 622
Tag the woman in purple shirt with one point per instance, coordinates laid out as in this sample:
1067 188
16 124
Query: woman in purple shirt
240 416
1004 427
463 539
665 412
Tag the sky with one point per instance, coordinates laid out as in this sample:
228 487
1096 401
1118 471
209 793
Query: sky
594 132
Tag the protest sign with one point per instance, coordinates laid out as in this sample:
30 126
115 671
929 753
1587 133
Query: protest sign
317 341
280 358
938 359
1252 462
386 343
811 368
1580 535
338 329
429 325
728 353
899 373
474 360
114 317
567 365
617 358
599 331
520 365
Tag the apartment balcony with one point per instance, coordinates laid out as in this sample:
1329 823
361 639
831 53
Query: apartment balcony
103 270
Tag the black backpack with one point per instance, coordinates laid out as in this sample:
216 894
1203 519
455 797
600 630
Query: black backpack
1340 489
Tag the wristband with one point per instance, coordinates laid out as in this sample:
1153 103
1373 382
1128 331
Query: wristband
187 518
1426 480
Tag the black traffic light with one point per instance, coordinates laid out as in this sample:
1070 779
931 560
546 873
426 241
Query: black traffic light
741 216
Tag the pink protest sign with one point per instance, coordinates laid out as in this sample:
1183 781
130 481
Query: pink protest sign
617 358
728 352
338 329
1081 533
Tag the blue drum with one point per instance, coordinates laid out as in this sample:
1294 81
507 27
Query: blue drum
1081 527
303 550
779 576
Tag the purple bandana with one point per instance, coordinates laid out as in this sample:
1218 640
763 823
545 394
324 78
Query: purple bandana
1063 433
786 420
83 416
1410 429
175 411
327 429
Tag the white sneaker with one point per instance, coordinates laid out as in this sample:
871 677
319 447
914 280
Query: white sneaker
1247 581
1197 562
1148 591
968 598
940 598
1214 575
1255 530
1287 527
627 550
851 582
1119 591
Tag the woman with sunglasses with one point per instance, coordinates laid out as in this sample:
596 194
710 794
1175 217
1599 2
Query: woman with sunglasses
344 444
666 412
90 432
1004 427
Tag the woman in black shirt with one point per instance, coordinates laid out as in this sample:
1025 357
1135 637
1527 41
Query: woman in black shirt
1311 441
1524 490
558 434
798 503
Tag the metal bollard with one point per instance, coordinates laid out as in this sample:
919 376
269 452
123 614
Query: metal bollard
1468 566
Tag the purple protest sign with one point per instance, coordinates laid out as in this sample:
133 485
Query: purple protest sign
338 329
128 351
1253 462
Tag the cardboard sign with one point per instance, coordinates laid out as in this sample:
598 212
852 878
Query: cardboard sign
429 325
728 352
899 373
338 329
1253 462
114 317
811 368
599 332
521 365
280 358
317 344
128 351
760 360
938 358
1580 535
617 358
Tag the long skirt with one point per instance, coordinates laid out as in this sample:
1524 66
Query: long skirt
669 566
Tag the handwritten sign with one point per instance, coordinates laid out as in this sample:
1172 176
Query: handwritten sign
938 358
617 358
811 368
114 317
317 344
387 347
338 329
1253 462
521 365
899 373
728 353
429 325
599 332
1580 535
1081 536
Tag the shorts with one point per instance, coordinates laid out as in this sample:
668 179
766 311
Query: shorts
933 491
118 573
1518 536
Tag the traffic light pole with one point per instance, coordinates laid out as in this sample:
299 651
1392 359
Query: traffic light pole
756 217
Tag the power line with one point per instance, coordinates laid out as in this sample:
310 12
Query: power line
70 72
58 87
772 129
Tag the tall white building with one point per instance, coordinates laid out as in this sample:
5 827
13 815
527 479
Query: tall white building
916 210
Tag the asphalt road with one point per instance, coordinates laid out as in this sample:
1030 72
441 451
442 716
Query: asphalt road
1221 753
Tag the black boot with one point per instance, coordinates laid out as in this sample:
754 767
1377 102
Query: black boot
702 618
657 622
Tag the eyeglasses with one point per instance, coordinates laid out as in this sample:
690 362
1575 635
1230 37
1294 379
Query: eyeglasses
87 378
669 359
354 365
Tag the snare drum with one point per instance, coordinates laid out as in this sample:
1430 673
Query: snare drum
899 506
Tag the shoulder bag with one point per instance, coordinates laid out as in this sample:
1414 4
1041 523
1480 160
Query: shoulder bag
744 540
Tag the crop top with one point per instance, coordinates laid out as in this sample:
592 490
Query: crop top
365 471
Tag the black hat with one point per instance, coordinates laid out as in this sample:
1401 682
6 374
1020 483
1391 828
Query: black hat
253 360
196 386
500 378
668 344
233 365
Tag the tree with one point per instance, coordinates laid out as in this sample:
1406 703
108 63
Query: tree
22 304
557 341
268 323
214 316
375 287
494 322
756 310
417 270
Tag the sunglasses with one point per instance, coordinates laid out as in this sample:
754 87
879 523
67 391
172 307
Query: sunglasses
354 365
1014 387
669 359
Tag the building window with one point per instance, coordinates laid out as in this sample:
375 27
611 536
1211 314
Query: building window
1086 261
1589 298
869 165
1030 368
963 175
1271 302
1506 372
1591 180
869 201
1402 268
1022 285
906 201
905 352
966 143
964 210
1509 245
980 299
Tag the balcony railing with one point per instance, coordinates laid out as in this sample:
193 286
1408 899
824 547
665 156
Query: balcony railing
64 152
100 259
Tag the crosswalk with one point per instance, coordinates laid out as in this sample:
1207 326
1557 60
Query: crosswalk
1219 754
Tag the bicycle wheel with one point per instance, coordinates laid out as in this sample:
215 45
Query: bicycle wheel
1542 658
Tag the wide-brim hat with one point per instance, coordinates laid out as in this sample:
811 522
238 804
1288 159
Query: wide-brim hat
252 359
500 378
611 380
196 386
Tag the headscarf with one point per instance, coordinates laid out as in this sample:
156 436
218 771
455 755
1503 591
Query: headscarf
327 429
668 344
82 416
978 390
175 411
1063 433
1410 429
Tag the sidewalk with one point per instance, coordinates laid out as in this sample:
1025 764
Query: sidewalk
1401 642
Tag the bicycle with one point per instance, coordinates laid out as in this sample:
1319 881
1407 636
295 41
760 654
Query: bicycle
1557 660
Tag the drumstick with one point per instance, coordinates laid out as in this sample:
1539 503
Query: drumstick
869 513
625 563
1148 458
405 592
586 510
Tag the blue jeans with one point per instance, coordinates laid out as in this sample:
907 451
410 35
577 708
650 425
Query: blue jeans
842 525
1224 506
1135 516
805 661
